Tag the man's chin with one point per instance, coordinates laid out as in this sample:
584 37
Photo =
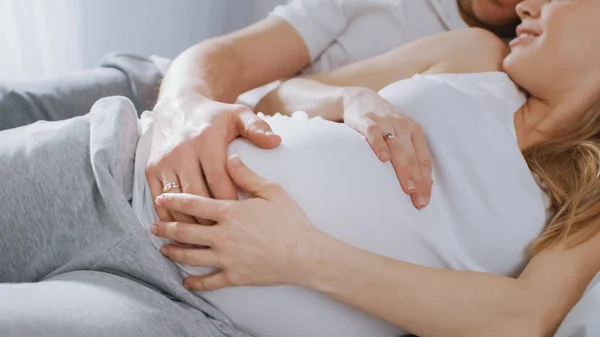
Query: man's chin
503 27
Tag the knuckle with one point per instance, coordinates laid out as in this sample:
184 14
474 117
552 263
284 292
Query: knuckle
215 177
405 171
371 115
220 240
379 144
203 133
187 256
178 231
416 128
257 122
161 230
412 160
428 182
187 204
168 229
405 175
418 181
178 151
372 129
224 210
398 118
206 284
189 188
195 283
230 244
235 279
225 243
150 169
402 128
272 187
426 164
238 108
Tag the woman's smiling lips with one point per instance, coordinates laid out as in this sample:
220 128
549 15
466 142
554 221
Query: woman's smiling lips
524 36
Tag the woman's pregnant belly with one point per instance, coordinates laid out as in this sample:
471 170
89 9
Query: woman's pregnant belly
484 211
333 174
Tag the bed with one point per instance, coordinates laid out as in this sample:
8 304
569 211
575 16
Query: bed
138 78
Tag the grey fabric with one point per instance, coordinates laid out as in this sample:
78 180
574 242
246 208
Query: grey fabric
64 207
74 94
88 303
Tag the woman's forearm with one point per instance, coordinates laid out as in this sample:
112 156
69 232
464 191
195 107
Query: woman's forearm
313 97
463 51
425 301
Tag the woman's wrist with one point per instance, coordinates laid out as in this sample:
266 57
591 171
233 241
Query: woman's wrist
308 252
349 95
319 261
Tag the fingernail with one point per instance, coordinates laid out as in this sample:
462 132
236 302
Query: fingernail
160 200
235 161
384 155
164 250
421 200
154 229
410 185
270 133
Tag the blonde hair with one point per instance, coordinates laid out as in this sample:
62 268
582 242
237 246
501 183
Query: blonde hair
570 171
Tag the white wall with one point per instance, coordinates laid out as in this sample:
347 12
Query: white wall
160 26
41 38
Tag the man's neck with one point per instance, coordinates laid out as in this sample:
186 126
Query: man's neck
465 8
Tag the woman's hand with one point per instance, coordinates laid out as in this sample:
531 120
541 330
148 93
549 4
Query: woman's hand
258 241
190 142
393 136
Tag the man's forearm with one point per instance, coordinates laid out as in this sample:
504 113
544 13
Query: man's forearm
426 301
222 68
206 70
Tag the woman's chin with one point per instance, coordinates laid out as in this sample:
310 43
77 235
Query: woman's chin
508 63
515 64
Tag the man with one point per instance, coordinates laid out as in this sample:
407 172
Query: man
304 36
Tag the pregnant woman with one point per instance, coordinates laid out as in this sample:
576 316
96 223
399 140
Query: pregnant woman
67 221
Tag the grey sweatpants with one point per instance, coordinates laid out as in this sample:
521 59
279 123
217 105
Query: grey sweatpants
74 260
119 74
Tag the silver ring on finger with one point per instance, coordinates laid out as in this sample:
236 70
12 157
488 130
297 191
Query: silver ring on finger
170 186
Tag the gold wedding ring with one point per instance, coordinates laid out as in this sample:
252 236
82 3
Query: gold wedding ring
169 186
389 135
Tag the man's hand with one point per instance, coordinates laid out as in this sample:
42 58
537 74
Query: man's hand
189 148
393 136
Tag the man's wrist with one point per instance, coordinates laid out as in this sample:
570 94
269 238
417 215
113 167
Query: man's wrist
175 99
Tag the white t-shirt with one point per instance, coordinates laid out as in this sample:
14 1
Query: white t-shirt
485 208
340 32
